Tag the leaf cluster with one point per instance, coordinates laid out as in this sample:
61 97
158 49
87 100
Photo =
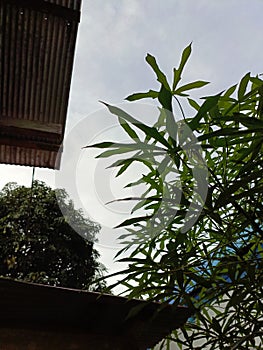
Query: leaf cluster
199 243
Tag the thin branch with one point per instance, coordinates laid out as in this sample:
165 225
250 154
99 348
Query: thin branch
180 106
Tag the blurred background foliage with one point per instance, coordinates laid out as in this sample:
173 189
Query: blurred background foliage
38 245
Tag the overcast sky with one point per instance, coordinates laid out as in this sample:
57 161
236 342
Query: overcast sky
113 40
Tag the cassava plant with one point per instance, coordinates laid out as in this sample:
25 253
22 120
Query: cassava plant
199 240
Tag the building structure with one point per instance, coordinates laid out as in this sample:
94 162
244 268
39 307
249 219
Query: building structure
43 317
37 45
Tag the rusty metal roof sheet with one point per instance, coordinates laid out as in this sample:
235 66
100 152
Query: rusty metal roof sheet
37 44
90 316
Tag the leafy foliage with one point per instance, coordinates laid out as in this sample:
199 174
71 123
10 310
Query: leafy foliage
200 241
38 245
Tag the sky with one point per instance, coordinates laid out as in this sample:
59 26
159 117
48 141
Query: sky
113 39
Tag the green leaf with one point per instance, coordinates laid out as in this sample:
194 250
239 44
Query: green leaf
165 98
257 81
133 159
139 205
150 132
171 126
193 104
243 86
180 278
249 122
163 166
112 152
190 86
102 145
230 91
140 95
235 299
216 325
209 103
124 167
260 102
128 129
120 148
134 221
237 185
204 282
160 75
234 132
178 72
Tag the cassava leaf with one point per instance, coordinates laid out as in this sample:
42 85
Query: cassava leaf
134 221
150 132
178 72
128 130
160 75
194 85
165 98
141 95
209 103
243 86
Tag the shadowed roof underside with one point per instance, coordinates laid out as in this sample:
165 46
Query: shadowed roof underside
37 45
74 319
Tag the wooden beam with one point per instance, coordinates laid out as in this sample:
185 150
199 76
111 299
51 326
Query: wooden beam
30 130
47 7
31 125
34 144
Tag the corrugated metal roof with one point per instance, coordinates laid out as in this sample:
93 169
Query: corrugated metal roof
37 44
87 317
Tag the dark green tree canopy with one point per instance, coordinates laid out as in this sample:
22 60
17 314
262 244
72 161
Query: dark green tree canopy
38 245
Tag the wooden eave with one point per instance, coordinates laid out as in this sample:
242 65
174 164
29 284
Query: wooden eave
42 317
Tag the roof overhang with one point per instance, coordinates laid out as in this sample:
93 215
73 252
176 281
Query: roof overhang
59 318
37 45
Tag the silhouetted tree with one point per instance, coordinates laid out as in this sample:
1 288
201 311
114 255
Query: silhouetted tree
38 245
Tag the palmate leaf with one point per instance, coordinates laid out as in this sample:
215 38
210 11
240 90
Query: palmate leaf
229 128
